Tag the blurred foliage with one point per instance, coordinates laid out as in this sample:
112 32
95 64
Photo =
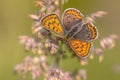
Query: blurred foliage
14 21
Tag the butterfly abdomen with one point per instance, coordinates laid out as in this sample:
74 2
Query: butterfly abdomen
73 30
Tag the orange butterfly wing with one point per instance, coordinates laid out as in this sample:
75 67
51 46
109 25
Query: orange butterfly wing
81 48
71 16
93 30
87 32
51 22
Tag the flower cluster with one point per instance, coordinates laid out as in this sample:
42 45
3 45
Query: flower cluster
57 74
35 65
36 46
92 17
105 43
38 66
81 75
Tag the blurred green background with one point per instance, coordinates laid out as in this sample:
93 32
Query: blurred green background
14 21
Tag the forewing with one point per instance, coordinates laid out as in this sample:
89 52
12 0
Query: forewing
71 17
93 30
80 48
88 32
51 22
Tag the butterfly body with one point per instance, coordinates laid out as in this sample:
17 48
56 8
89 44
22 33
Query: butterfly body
77 33
73 30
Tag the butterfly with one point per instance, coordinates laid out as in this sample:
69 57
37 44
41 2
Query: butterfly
77 33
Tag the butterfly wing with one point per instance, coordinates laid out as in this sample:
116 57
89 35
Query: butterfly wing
87 32
71 17
81 48
93 30
52 22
